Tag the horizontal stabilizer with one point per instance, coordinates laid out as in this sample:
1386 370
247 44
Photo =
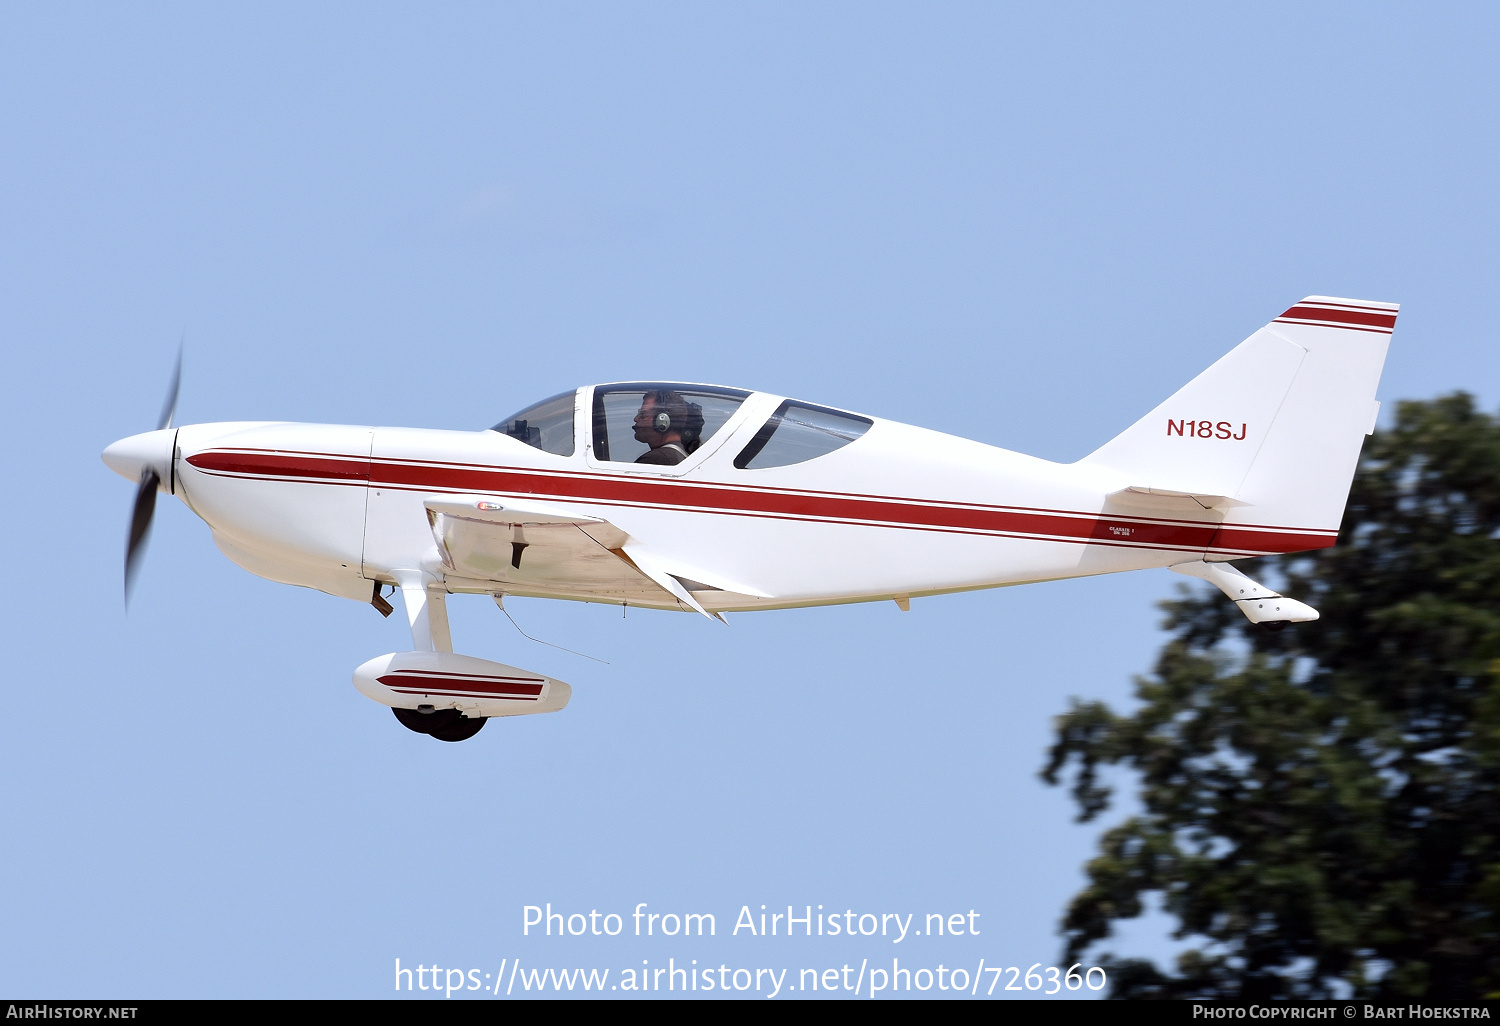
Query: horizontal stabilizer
1169 499
1259 603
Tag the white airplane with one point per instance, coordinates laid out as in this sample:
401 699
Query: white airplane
713 500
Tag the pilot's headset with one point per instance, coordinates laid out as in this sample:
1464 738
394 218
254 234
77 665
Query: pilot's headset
671 411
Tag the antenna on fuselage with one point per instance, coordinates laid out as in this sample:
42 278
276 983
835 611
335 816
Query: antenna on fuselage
500 601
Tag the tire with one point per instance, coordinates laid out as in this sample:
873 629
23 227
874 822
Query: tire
460 731
426 723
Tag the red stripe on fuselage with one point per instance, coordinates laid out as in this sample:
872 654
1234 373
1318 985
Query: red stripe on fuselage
880 511
283 464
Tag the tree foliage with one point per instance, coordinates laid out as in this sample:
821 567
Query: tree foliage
1321 806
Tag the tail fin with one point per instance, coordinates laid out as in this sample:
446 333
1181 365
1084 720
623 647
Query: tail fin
1276 424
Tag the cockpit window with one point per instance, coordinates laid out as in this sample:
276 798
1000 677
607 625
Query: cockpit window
797 433
548 425
658 422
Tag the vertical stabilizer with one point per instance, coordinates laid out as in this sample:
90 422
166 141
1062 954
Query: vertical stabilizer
1276 424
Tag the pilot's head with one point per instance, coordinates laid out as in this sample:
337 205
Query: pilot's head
662 417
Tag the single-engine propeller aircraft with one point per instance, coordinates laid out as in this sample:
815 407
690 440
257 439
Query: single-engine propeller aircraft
712 500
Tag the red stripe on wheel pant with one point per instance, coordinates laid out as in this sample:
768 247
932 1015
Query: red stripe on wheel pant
407 681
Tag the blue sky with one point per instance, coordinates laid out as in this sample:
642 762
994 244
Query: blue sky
1024 225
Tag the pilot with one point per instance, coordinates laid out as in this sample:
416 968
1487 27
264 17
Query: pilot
662 423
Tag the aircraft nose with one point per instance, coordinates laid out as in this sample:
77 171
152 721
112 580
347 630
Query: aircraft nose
129 456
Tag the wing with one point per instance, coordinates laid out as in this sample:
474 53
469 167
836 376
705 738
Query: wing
520 547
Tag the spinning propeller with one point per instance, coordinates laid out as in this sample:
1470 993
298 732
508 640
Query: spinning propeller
146 449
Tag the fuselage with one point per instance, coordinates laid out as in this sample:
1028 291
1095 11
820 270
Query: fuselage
900 511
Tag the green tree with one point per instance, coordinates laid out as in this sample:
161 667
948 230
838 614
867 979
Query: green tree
1320 807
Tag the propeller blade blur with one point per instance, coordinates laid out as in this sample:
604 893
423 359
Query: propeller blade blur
169 408
140 526
145 495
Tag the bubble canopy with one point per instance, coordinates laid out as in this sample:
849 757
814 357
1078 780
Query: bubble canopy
664 422
692 414
547 425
